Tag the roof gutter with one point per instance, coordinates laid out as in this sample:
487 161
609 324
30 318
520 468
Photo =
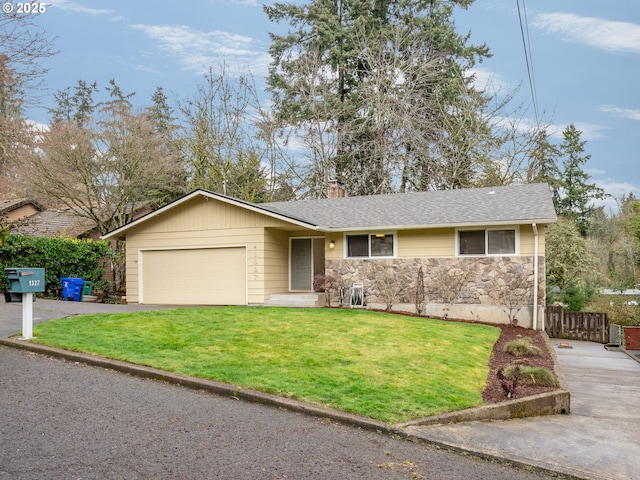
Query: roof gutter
326 228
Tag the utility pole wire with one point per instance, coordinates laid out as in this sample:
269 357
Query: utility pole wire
528 57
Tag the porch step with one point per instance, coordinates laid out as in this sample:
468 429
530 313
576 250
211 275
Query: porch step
295 300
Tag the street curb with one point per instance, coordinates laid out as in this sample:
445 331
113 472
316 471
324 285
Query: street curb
212 386
635 357
484 413
550 403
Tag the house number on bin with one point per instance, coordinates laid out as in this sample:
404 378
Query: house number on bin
34 283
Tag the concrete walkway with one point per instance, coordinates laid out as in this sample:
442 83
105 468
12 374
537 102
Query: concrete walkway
600 439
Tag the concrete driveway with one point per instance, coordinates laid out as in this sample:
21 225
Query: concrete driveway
43 310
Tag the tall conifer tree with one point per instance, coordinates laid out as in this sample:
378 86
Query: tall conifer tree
379 92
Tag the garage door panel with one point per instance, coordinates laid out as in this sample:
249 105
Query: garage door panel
203 276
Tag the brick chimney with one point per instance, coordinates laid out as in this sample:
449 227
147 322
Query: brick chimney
336 189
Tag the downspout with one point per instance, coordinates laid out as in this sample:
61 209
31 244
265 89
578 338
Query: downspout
536 280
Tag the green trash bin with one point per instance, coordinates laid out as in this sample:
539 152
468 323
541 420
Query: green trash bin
87 288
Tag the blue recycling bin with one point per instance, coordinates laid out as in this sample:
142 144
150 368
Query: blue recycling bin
72 288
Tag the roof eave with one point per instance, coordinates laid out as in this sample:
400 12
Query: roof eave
537 221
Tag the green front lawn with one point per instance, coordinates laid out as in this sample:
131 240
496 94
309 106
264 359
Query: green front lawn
388 367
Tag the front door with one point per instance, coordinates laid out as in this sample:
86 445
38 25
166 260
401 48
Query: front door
301 264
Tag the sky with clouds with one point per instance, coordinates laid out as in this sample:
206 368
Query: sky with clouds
584 59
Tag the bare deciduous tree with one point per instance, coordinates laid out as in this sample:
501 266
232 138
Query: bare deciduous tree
511 289
449 285
369 141
23 45
420 294
391 288
221 139
104 168
15 135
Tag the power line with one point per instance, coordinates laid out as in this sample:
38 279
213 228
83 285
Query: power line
528 56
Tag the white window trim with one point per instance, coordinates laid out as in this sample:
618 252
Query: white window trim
368 234
486 240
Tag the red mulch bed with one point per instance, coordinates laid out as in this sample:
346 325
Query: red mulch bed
494 392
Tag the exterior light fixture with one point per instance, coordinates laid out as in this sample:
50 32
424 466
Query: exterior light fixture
332 244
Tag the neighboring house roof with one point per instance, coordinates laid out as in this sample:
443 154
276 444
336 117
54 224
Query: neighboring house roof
7 206
515 204
53 223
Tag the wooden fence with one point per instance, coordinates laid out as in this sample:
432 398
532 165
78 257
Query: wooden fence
590 326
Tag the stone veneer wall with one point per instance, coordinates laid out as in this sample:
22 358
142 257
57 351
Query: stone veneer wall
470 281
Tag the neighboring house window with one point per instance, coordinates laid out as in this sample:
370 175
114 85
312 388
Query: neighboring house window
487 242
374 245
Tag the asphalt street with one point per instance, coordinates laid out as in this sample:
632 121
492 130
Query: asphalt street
66 420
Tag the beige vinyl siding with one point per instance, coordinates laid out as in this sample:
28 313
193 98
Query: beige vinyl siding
276 261
441 242
338 252
204 222
527 240
437 242
203 214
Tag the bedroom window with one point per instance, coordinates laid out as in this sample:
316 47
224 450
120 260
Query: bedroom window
374 245
487 242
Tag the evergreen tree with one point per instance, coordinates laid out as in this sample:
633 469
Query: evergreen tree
568 261
576 195
161 114
165 125
343 62
543 167
78 106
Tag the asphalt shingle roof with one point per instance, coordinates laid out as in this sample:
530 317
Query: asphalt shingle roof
511 205
477 206
53 223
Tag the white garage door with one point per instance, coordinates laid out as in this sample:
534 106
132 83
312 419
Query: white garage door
203 276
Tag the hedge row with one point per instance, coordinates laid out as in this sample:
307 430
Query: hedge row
60 257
